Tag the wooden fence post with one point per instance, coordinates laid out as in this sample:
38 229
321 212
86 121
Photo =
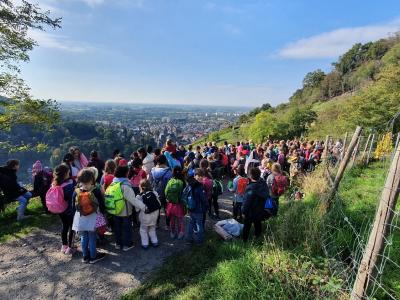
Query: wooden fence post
397 141
370 149
326 148
355 152
380 230
365 148
344 146
343 163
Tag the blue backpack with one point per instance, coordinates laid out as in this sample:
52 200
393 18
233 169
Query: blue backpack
270 208
187 198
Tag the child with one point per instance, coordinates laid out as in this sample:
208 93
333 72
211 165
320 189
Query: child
62 178
41 183
208 189
197 206
120 198
253 204
108 176
68 160
149 210
136 174
88 200
277 184
265 168
80 161
159 177
239 187
175 209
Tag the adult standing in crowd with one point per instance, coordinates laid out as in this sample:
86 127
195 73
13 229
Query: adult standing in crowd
12 189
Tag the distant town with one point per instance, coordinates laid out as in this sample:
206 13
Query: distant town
143 122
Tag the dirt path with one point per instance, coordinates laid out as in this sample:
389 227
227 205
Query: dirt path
33 268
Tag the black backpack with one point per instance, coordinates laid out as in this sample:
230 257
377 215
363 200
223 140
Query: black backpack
151 202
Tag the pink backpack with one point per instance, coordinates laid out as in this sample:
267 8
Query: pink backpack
55 199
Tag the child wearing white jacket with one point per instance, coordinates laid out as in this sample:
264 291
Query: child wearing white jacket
148 217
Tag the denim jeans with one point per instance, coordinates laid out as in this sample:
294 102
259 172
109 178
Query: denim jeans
123 231
195 228
23 202
88 243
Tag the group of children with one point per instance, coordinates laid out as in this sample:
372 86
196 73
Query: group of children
94 198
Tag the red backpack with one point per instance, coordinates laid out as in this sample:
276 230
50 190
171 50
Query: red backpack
241 185
279 185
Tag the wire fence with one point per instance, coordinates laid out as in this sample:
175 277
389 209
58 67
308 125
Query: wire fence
347 258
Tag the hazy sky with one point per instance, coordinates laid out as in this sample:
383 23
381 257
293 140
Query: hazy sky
196 52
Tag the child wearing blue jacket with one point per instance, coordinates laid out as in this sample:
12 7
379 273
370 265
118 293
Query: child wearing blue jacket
195 228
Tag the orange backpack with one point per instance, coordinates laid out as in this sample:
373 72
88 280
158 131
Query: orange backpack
241 185
86 202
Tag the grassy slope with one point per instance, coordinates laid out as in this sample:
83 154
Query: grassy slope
327 111
10 229
360 192
296 268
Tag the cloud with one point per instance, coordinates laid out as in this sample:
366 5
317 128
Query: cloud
334 43
135 3
58 42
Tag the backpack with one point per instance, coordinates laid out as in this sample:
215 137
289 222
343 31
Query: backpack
159 185
279 185
86 202
114 199
270 208
218 189
55 201
173 190
241 185
151 202
187 198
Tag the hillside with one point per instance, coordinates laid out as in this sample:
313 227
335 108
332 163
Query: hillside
363 88
300 258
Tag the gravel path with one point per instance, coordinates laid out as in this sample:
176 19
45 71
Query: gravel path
33 268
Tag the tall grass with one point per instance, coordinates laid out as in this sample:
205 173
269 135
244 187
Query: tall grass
235 270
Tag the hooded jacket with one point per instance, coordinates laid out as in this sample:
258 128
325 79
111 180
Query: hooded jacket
254 200
9 183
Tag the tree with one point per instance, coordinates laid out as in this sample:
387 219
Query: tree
17 106
299 120
313 79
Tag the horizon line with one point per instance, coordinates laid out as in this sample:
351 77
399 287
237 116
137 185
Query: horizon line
154 104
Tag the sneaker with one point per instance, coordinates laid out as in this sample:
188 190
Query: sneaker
181 236
127 248
172 235
64 248
145 247
100 256
118 247
86 260
70 251
155 245
108 232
